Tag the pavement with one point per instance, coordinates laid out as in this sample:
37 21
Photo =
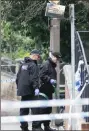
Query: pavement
13 126
16 126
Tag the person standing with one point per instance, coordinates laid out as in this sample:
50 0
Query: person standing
48 78
28 82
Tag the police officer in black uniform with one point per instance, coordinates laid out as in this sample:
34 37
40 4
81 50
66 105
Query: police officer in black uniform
48 78
28 82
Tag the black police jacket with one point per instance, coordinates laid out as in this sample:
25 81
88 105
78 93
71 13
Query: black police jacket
47 72
27 77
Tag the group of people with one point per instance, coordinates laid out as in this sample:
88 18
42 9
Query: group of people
31 81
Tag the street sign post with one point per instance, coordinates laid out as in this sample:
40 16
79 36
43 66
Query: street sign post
54 10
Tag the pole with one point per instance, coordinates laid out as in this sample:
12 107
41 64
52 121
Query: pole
0 44
73 49
11 52
55 44
55 47
55 35
72 18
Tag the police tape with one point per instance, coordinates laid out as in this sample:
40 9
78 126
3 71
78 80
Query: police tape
42 103
29 118
8 65
8 80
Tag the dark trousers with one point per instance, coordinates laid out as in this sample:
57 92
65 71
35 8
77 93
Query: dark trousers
34 111
37 124
25 111
46 110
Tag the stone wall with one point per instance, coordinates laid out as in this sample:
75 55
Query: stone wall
8 89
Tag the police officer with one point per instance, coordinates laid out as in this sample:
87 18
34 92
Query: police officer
28 82
48 77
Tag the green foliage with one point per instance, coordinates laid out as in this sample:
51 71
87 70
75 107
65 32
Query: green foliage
81 23
24 26
21 53
13 42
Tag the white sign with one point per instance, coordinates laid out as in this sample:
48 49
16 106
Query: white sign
54 10
54 1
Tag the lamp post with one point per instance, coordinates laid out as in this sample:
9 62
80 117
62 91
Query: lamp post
55 12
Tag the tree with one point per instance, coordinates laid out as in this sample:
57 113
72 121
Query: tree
13 42
81 23
27 18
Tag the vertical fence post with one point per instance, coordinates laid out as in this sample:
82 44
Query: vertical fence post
72 19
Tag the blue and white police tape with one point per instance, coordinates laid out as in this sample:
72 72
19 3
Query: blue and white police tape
8 65
29 118
7 80
42 103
